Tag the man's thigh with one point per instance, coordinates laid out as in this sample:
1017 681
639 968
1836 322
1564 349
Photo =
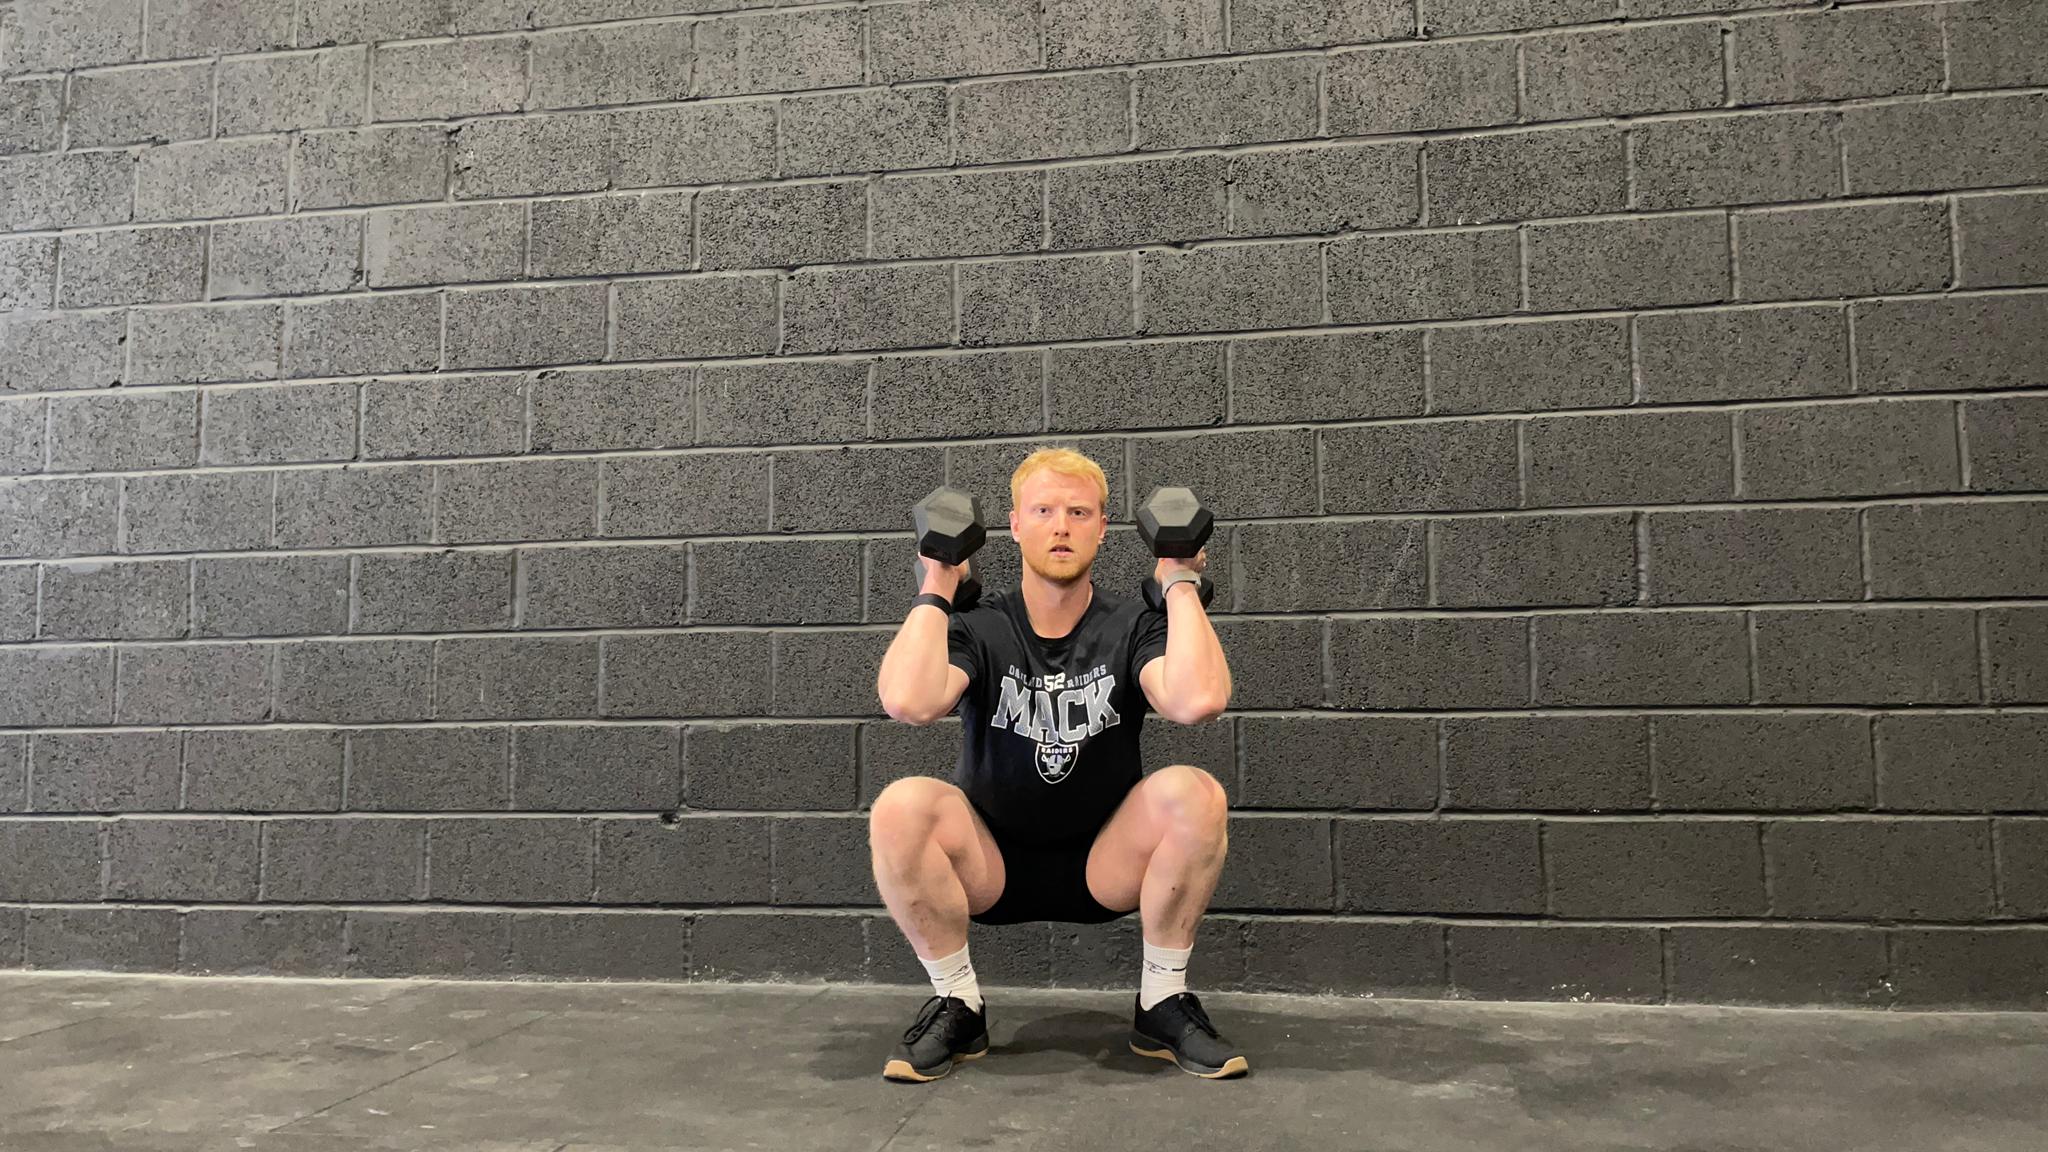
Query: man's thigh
965 839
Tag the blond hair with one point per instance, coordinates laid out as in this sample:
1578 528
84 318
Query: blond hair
1064 461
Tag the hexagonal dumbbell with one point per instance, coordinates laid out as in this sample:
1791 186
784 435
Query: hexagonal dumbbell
1174 523
949 530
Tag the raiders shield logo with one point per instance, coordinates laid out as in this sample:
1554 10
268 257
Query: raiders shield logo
1055 761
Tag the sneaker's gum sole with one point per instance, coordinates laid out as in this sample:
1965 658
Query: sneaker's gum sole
1232 1068
901 1069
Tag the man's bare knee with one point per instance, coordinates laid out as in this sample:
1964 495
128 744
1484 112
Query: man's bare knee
905 816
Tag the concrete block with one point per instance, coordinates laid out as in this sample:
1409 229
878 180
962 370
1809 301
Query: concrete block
952 397
506 861
1870 869
61 686
206 344
17 620
694 859
1230 102
620 408
1029 301
1138 202
175 28
359 335
782 225
1331 567
1424 276
28 273
293 424
1936 145
289 257
50 859
442 591
963 215
344 859
693 145
413 246
1943 344
1345 957
1665 457
293 91
1472 662
1269 25
687 674
805 948
1848 250
67 34
970 38
1236 474
1526 175
872 130
196 512
75 190
1343 377
1230 288
1751 353
1789 763
263 770
1948 550
515 678
1944 968
1799 58
697 316
1996 45
210 178
2022 865
1515 367
1661 68
499 327
822 583
1960 762
371 166
1555 961
1510 561
1085 35
780 403
1043 118
193 684
1114 387
1631 658
560 767
800 692
423 943
780 52
1875 448
49 351
849 489
1752 555
2016 655
1460 17
444 416
516 500
1611 869
620 64
723 766
355 681
1339 762
847 309
150 105
593 236
353 507
449 78
57 517
1547 763
531 156
1866 656
601 945
1438 866
249 942
1420 467
1421 87
890 751
1779 966
641 586
1276 863
715 494
118 601
103 772
1748 159
1648 262
354 21
114 430
428 770
823 860
2000 240
1328 189
211 860
102 939
138 266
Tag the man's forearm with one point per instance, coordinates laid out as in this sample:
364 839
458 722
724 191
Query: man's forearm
1196 676
913 674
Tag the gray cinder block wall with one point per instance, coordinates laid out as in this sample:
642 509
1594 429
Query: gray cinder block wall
458 459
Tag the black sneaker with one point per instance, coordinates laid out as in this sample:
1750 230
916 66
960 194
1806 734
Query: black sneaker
946 1030
1177 1029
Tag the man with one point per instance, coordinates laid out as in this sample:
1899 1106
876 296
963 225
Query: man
1048 817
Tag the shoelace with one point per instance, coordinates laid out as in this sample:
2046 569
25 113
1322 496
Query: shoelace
933 1009
1193 1008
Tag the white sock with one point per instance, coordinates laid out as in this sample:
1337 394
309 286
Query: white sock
954 976
1164 974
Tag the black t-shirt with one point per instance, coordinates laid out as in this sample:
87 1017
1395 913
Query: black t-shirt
1051 727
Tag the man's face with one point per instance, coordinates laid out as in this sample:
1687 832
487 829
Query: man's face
1058 525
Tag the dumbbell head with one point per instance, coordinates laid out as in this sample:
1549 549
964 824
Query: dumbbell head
1174 523
948 525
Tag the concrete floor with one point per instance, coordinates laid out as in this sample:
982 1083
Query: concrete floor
92 1063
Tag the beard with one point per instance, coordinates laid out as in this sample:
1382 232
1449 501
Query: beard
1064 571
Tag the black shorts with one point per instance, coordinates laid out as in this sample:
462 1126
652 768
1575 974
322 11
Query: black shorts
1044 882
